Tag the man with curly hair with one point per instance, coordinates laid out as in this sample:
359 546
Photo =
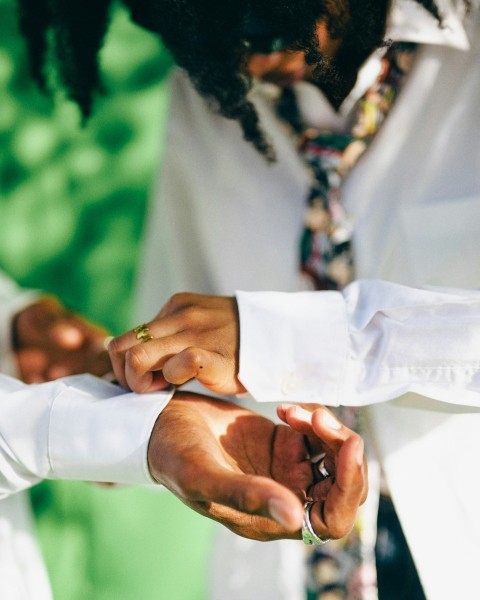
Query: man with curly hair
408 229
212 42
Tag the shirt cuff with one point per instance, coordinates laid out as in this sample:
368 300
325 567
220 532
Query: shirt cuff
100 433
293 346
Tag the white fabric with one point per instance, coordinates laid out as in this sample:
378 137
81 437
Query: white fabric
79 427
225 220
373 342
22 573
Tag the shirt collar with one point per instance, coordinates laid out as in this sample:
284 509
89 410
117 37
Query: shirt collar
410 22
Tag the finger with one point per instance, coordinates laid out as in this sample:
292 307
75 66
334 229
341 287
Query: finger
123 344
335 517
31 363
253 527
252 495
66 335
184 300
300 420
320 423
331 430
210 368
164 327
178 363
282 411
308 408
297 418
56 371
143 360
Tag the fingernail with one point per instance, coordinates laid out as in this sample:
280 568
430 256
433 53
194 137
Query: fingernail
303 414
279 512
330 421
106 341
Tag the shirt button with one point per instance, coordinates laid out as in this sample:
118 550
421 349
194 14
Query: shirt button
290 384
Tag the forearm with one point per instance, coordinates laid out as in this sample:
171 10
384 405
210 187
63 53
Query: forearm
372 342
74 428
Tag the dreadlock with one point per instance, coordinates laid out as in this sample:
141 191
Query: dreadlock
207 39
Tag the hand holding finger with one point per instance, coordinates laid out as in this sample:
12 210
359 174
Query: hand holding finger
193 336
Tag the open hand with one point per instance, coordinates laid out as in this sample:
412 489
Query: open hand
252 475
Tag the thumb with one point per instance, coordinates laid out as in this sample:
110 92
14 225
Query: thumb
255 495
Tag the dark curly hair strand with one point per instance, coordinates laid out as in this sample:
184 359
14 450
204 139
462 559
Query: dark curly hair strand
207 39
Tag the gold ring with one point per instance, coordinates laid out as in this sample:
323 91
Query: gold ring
142 333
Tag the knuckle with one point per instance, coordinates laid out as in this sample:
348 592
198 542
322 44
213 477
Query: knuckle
248 501
193 358
136 358
187 477
179 299
190 315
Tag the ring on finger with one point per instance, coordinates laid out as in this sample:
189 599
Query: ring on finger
309 536
142 333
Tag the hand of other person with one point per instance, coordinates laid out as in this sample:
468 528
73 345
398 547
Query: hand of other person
194 336
253 476
50 342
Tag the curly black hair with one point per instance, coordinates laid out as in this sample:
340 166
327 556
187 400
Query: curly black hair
209 39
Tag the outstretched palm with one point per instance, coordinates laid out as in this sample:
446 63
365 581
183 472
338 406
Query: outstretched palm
252 475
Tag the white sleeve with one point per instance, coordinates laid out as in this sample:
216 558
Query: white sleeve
12 300
79 427
370 343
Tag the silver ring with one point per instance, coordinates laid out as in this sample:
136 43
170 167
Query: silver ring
322 469
319 462
309 536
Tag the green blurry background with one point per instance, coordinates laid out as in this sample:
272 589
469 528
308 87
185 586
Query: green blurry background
72 205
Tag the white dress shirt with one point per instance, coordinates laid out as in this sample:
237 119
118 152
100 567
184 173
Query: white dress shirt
225 221
79 427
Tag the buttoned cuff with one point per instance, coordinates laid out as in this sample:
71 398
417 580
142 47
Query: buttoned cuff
293 346
100 433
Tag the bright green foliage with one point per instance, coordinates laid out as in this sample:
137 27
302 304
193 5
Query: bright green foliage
72 205
72 199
